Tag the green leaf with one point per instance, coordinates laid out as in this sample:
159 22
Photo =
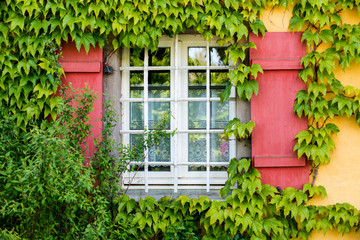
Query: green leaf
271 224
87 39
183 199
258 27
16 20
4 29
255 68
296 22
224 95
246 89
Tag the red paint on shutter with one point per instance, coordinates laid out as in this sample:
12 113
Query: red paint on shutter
85 69
276 125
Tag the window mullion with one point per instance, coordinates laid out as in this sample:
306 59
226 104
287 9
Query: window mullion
207 117
146 117
175 97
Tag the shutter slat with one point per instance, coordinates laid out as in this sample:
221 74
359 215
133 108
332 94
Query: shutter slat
81 67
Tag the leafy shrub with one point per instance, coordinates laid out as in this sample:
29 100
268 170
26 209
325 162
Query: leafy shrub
45 190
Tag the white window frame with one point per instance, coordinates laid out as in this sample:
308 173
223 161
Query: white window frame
178 178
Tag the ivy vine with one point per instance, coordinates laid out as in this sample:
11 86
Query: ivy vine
31 34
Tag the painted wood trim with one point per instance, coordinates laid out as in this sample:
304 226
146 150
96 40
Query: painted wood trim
278 161
278 64
81 67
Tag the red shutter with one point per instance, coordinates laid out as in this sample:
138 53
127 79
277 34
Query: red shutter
276 124
85 68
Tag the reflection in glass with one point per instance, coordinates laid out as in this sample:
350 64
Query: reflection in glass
197 150
136 84
197 56
218 56
156 111
161 57
159 84
160 153
136 57
218 82
219 115
219 148
136 140
197 115
197 84
136 116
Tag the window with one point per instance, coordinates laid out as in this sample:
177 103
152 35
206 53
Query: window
183 77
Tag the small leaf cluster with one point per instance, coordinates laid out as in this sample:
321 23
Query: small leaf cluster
316 143
342 217
243 77
238 129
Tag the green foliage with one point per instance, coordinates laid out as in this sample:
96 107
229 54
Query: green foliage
111 159
316 143
238 129
31 33
45 189
330 42
251 210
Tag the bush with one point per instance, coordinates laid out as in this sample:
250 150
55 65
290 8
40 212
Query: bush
45 190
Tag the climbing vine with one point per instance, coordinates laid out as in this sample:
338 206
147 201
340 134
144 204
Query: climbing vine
331 43
31 34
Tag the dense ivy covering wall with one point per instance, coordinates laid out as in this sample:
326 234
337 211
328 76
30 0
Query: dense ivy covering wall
31 33
32 30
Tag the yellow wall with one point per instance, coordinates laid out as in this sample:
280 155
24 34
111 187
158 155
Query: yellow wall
341 177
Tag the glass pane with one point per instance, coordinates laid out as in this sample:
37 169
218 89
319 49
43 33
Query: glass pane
197 84
218 168
197 150
136 140
197 115
159 84
136 84
219 148
136 57
157 110
136 115
219 115
218 82
197 56
218 56
160 153
160 58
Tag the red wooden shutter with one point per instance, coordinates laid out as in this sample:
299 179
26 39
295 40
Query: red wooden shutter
82 69
276 124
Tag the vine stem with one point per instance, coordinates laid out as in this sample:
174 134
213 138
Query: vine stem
315 175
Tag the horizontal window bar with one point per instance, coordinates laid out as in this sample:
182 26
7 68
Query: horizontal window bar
202 99
160 68
181 163
177 131
164 187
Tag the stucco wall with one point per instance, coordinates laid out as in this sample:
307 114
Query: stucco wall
341 177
